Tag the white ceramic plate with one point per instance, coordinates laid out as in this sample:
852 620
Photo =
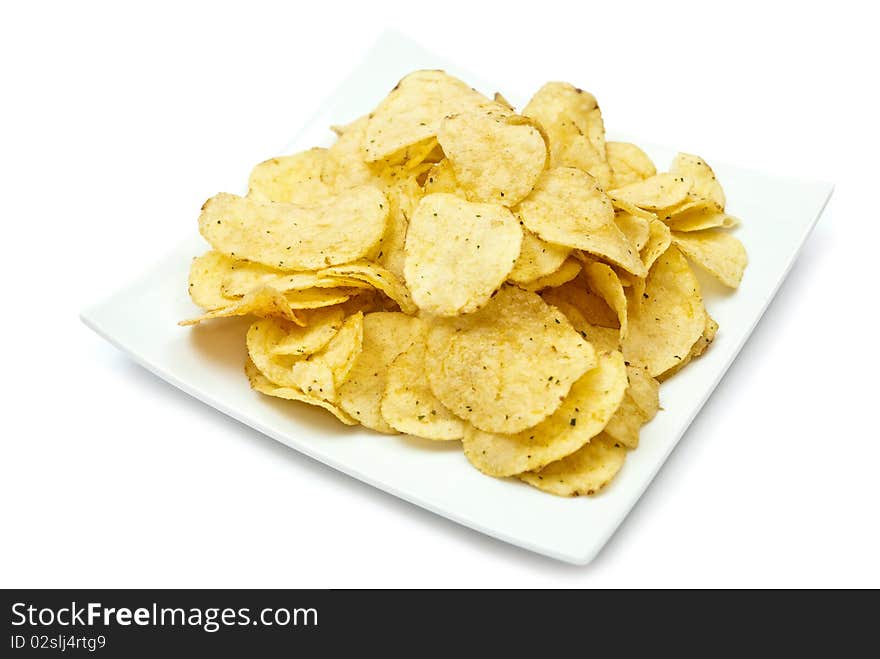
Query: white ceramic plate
206 362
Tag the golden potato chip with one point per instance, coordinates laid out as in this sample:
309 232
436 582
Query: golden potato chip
586 410
669 319
262 337
719 253
376 276
573 124
264 302
703 181
585 471
292 237
322 373
321 326
441 178
644 390
659 240
593 308
567 207
702 344
205 280
622 206
496 156
626 424
537 259
296 179
570 269
635 228
453 240
603 339
628 162
386 335
245 276
507 366
413 110
606 284
345 166
654 193
702 219
410 406
260 383
403 193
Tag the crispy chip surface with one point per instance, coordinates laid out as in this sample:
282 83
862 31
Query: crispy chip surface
629 163
669 319
293 237
410 406
296 179
413 111
260 383
206 275
263 301
458 253
719 253
321 325
568 207
496 155
573 123
654 193
585 471
386 335
537 258
321 373
704 184
586 410
509 365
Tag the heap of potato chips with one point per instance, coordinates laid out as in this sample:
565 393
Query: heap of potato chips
457 271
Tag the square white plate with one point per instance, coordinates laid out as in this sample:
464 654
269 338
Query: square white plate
206 362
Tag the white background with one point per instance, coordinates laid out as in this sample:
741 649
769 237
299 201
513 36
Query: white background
118 122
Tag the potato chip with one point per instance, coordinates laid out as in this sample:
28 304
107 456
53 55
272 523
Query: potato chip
413 110
703 181
322 373
264 302
586 410
628 162
441 178
321 326
496 155
537 259
719 253
376 276
659 240
403 193
245 276
292 237
567 207
345 166
669 319
644 390
507 366
606 284
702 219
386 335
262 337
296 179
585 471
570 269
654 193
626 424
410 406
622 206
453 240
205 280
260 383
593 308
702 344
635 228
573 124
